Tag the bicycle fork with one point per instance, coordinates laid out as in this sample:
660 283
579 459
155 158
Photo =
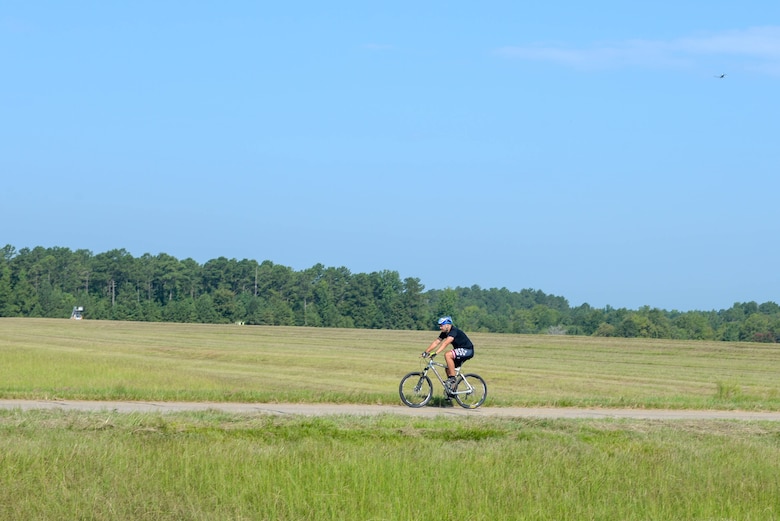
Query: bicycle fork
421 380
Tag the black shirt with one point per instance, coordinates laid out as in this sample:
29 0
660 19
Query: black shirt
459 338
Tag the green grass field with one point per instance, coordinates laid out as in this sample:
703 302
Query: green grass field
46 358
213 465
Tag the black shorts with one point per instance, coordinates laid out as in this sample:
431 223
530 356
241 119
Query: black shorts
461 355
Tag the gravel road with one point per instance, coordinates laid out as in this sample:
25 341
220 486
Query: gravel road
367 410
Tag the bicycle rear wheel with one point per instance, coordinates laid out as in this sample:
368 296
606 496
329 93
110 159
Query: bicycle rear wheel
415 389
476 397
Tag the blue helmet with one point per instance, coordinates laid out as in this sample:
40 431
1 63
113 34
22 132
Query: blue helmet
445 320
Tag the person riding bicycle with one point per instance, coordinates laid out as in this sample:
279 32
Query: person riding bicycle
462 348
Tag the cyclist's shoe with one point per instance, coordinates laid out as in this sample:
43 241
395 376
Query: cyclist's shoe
449 385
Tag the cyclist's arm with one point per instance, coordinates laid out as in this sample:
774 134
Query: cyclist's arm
442 344
432 346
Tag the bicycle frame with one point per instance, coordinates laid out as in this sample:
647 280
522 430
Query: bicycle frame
432 365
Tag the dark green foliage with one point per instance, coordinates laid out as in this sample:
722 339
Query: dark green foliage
48 282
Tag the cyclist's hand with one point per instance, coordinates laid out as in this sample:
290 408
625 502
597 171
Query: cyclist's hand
433 355
424 354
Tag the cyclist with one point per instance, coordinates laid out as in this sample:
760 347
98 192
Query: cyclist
462 348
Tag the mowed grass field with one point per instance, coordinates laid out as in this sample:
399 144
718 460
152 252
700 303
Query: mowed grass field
217 466
96 360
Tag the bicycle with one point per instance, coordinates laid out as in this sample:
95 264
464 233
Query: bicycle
416 388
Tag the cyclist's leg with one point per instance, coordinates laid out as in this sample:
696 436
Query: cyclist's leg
459 356
450 357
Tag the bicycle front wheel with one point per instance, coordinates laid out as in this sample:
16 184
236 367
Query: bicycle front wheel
474 397
415 389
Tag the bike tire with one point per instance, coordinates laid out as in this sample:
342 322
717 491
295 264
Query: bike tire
475 398
415 389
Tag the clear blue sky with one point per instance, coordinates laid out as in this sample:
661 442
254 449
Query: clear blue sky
585 149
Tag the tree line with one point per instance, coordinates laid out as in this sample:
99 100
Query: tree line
114 285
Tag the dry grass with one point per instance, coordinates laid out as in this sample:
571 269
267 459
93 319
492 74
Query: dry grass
47 358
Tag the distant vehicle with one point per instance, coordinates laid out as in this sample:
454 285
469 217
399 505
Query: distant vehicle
78 313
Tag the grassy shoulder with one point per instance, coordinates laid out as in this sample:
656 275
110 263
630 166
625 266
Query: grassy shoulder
212 465
100 360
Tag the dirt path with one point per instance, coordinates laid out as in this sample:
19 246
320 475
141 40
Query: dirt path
364 410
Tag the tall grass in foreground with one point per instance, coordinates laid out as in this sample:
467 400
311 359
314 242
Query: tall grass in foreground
49 358
206 466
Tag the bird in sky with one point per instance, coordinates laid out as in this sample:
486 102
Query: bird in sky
720 76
